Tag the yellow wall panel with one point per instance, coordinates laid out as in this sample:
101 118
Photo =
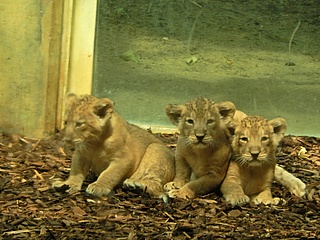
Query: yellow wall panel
29 65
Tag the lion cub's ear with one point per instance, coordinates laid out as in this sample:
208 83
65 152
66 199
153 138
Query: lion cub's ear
175 112
226 109
69 98
103 107
279 127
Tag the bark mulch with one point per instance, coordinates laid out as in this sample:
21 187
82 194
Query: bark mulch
30 209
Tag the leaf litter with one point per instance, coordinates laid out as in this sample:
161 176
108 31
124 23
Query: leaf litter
30 209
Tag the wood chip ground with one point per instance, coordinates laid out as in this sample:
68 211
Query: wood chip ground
30 209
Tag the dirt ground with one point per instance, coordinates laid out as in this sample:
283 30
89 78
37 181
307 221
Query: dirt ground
173 51
30 209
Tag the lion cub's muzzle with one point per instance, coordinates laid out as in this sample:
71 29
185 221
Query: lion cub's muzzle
255 152
70 139
200 139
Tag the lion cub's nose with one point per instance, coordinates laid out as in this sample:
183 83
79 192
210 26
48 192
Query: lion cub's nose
200 137
254 154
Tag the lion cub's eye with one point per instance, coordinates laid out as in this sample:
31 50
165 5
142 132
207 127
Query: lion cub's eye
210 121
263 139
189 121
244 139
79 124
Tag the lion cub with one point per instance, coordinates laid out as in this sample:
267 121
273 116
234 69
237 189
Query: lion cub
116 150
252 167
203 149
286 179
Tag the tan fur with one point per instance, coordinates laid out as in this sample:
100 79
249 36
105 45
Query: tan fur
294 184
203 150
251 170
116 150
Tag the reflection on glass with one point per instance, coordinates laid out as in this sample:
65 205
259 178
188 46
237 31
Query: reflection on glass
155 52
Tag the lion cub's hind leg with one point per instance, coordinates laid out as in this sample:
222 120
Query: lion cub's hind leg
156 169
294 184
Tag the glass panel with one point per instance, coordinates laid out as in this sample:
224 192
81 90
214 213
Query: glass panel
155 52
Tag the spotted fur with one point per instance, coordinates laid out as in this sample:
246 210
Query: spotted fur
251 170
203 150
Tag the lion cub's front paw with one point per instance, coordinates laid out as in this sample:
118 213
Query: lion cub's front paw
267 201
181 193
66 186
134 186
237 199
97 190
172 185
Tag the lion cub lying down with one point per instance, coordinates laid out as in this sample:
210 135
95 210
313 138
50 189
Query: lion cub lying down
252 167
116 150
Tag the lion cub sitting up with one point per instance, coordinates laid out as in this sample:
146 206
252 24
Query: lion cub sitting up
203 149
115 150
252 167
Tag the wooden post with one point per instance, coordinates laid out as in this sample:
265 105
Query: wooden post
82 46
77 52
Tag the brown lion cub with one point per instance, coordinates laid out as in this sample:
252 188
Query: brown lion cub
252 167
203 149
116 150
